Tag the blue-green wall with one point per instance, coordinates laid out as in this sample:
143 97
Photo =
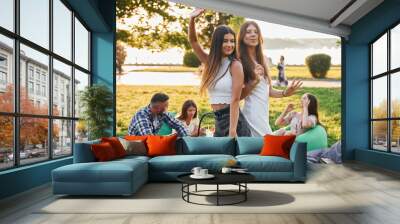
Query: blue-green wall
103 66
99 16
103 53
24 178
355 66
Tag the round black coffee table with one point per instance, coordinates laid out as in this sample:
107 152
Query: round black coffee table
238 179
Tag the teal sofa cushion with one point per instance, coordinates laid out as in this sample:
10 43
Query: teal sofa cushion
83 152
185 163
118 177
131 160
249 145
93 172
257 163
112 171
207 145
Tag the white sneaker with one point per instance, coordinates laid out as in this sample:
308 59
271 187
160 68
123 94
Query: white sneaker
326 160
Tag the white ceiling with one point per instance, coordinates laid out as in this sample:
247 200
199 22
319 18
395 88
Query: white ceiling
321 9
315 15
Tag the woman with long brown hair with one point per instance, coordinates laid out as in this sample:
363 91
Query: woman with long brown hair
258 84
222 78
299 122
189 119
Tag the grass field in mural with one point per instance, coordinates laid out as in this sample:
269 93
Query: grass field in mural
132 98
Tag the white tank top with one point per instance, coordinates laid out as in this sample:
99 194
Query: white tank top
256 109
221 92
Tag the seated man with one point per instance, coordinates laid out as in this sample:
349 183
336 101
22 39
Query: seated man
148 120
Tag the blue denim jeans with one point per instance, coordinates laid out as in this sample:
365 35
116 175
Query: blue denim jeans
222 118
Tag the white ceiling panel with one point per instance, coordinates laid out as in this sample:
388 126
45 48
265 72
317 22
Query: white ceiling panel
326 16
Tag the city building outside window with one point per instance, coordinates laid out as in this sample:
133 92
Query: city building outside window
35 54
385 96
30 87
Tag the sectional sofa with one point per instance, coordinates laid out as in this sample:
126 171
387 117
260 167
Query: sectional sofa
125 176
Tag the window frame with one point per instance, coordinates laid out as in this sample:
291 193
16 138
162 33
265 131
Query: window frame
3 70
16 114
388 74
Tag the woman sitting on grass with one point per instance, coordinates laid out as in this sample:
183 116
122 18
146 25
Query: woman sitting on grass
302 121
189 118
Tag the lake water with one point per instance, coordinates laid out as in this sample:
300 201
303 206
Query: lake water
159 79
185 79
293 56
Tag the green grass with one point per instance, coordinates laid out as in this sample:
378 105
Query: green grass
292 72
132 98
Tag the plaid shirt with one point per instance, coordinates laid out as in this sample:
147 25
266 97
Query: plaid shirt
144 123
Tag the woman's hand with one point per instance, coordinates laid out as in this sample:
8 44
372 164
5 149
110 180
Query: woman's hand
196 132
259 70
232 133
290 133
196 12
305 103
293 87
289 108
202 131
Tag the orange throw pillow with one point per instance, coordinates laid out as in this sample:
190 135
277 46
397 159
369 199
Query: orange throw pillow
161 145
116 145
103 152
277 145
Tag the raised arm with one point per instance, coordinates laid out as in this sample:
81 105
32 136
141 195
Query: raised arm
276 93
290 90
198 50
237 85
283 118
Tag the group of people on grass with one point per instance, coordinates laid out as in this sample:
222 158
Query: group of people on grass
235 69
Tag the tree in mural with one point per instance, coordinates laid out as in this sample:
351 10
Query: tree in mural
121 56
170 28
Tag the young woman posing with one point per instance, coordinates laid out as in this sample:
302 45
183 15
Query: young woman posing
223 77
258 84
